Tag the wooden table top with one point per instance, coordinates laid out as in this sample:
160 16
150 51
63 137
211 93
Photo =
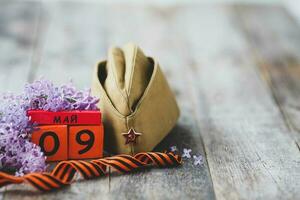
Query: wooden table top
235 69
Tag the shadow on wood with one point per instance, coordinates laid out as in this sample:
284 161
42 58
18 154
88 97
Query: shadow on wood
181 137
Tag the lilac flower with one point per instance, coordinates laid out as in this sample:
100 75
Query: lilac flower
17 154
187 153
198 160
21 156
44 95
173 148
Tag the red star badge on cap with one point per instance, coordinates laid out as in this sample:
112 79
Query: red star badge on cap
131 136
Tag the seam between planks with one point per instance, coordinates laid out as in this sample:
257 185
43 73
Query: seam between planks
201 139
38 45
182 41
193 92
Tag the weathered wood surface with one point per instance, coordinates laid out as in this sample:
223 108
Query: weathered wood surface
244 136
212 56
18 29
275 40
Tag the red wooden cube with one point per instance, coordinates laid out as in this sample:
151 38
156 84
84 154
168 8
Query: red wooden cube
75 117
85 142
53 141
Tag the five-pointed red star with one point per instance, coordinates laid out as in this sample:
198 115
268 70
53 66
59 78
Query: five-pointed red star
131 136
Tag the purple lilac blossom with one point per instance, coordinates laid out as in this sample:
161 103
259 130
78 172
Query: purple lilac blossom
17 153
44 95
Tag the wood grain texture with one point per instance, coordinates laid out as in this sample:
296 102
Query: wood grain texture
249 150
275 39
18 25
75 39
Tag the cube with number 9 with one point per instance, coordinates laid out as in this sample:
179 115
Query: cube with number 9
85 141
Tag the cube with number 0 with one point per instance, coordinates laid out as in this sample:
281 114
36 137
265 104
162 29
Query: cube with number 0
53 141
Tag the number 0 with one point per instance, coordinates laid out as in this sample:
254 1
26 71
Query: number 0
56 143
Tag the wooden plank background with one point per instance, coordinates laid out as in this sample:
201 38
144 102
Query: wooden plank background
233 67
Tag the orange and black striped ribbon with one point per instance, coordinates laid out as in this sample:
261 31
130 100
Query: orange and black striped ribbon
64 172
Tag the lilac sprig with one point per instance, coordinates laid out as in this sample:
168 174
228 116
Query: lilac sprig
44 95
21 156
198 159
17 153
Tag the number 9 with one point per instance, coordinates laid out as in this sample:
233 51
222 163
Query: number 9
88 143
